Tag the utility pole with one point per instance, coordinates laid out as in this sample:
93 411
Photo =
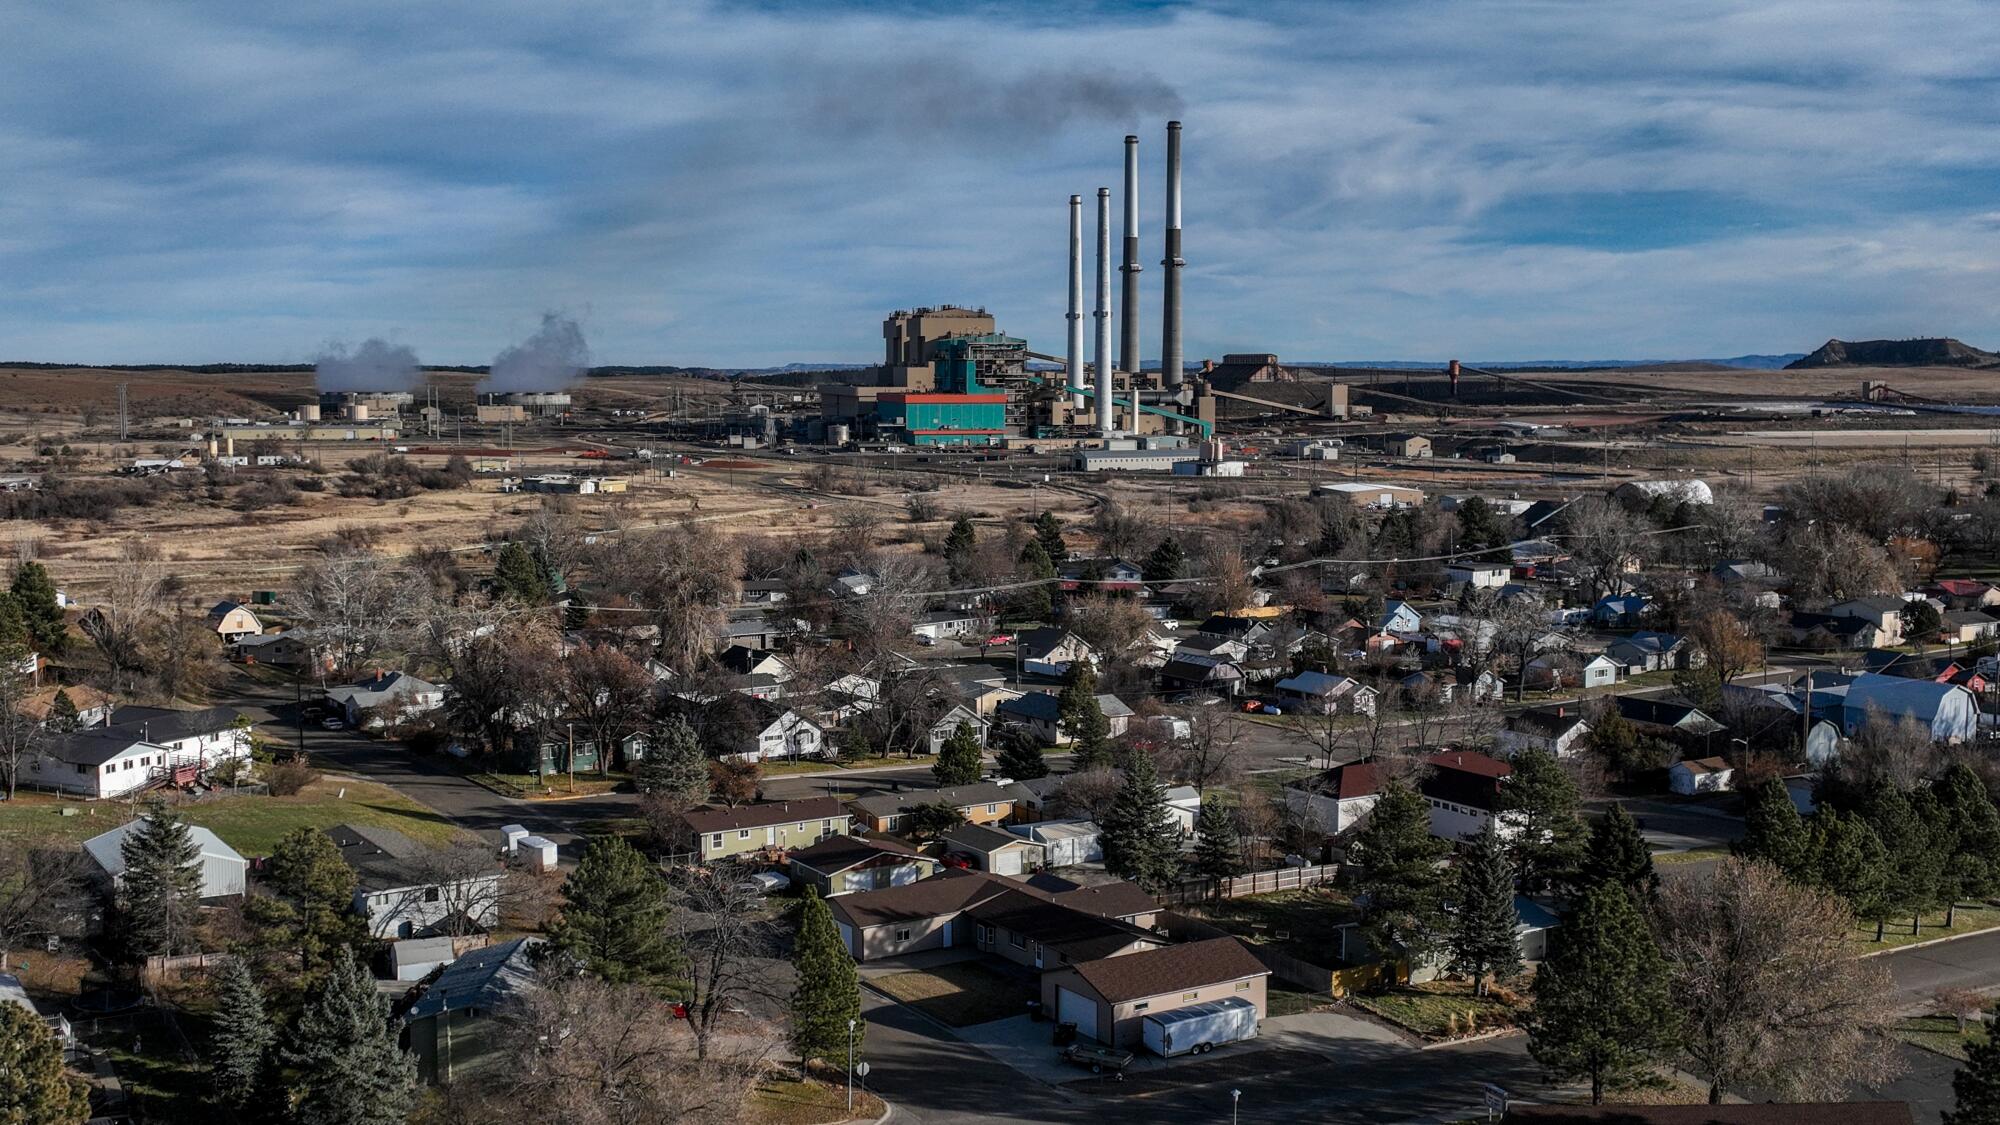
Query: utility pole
124 416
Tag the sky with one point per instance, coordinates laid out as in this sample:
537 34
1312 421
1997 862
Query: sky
755 184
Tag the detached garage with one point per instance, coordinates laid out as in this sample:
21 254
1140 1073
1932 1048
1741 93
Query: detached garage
995 851
1109 999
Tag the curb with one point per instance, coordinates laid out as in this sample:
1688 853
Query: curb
1464 1039
1929 941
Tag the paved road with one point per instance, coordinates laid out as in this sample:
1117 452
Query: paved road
1967 962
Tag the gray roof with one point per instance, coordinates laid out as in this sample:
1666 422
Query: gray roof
383 858
107 849
93 747
482 979
888 804
374 689
980 838
165 724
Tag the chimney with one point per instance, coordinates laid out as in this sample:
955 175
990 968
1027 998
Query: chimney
1170 311
1075 315
1103 313
1128 347
1454 378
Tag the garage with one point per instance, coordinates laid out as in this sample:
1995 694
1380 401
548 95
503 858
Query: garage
1076 1008
1007 862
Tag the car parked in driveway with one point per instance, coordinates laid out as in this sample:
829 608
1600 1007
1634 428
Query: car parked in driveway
333 722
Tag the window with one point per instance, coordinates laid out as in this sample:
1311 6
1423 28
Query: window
715 841
1186 996
1242 986
1142 1005
902 933
1017 941
993 808
432 894
743 833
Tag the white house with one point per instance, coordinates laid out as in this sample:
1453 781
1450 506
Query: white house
1463 792
1328 693
1600 671
386 698
1399 617
946 624
402 893
223 870
942 730
1479 575
1040 714
1065 843
1699 775
139 748
1336 800
780 732
1560 730
1050 652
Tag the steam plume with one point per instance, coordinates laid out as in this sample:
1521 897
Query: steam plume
555 355
377 365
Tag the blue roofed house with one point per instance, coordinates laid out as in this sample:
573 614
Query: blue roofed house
450 1026
1328 693
1399 617
1950 711
1620 611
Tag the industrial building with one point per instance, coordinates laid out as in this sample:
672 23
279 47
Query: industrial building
1364 494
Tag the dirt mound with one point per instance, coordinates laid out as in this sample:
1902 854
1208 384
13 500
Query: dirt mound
1934 352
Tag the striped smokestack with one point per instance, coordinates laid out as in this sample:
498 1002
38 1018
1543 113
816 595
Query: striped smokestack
1170 312
1128 311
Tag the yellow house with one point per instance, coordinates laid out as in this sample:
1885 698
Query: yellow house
984 803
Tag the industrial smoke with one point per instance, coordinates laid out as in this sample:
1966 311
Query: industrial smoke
377 365
553 357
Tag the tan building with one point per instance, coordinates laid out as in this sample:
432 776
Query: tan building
1406 445
983 803
715 834
1365 494
233 621
1108 998
499 412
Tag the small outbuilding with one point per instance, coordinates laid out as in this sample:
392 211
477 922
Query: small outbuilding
224 871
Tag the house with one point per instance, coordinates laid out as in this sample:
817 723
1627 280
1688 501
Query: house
450 1026
1756 1113
1828 631
1235 627
93 707
386 698
1399 617
759 672
1184 807
1646 651
1949 711
1479 575
1406 445
1884 613
948 624
991 849
1968 626
1735 572
1620 611
293 648
1337 799
1963 593
1208 674
205 736
1558 729
1666 716
764 592
402 891
1463 792
1461 684
981 803
1533 923
141 747
1040 714
852 582
1035 930
233 621
224 871
948 724
1065 843
1118 899
1108 998
1211 646
979 686
840 865
1328 693
1699 775
1050 651
1599 671
770 731
715 834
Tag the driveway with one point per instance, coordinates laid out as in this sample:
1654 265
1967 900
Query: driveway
1669 826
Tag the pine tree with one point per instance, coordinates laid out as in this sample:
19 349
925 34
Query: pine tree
1975 1089
35 592
317 884
674 763
1548 848
854 745
614 915
959 760
827 997
63 717
1973 870
1845 857
16 640
520 576
1774 832
1218 849
1617 853
1083 719
1035 603
1166 561
933 819
343 1055
239 1046
959 545
1916 868
1049 533
1140 840
1481 937
1399 858
1020 757
36 1090
160 894
1602 1009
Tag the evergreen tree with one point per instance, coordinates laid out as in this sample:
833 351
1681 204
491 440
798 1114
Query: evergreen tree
1140 840
1774 832
35 1089
239 1047
1035 603
16 640
1845 857
1617 853
1602 1010
520 576
959 760
1548 849
1400 880
1973 870
35 592
1218 850
1915 866
346 1066
1049 533
1480 528
1975 1089
1481 936
854 744
63 718
934 819
959 545
1020 757
160 895
828 994
317 885
1165 562
674 764
614 915
1083 719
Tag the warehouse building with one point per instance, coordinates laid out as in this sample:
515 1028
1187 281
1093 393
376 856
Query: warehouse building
1134 460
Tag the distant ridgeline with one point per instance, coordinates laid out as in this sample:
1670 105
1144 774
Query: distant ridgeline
1934 352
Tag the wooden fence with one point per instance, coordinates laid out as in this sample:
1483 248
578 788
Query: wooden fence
1294 971
1193 891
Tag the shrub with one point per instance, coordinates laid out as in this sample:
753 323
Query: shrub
289 776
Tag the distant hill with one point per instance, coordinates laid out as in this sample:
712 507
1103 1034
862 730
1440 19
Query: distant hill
1939 351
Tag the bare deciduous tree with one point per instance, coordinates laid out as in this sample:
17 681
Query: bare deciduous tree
607 694
355 604
42 894
1605 540
686 576
1212 752
729 943
1111 624
20 736
1764 974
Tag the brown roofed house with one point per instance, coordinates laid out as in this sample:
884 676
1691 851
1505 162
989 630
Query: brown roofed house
1108 998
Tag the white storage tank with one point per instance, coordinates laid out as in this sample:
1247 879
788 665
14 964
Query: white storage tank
539 854
1199 1027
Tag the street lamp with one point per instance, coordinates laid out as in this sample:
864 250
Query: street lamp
1235 1096
850 1064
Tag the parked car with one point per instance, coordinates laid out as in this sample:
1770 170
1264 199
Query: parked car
926 640
1000 639
333 722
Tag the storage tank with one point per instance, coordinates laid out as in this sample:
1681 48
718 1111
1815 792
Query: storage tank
357 412
837 433
1199 1027
309 412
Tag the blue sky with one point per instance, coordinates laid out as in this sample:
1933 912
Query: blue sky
753 184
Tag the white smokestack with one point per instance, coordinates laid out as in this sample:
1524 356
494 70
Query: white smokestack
1075 315
1170 330
1128 309
1103 313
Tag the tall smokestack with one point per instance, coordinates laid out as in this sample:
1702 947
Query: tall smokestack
1128 310
1075 315
1170 312
1103 313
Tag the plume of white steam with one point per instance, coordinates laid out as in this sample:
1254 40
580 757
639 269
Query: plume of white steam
553 357
377 365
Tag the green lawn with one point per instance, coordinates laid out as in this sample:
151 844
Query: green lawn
1691 855
1430 1009
1302 923
532 785
252 825
1897 931
784 1101
960 994
1941 1035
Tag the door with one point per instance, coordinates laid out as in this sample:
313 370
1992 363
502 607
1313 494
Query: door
1007 862
1076 1008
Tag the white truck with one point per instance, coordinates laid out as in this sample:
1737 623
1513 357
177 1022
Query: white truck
1199 1028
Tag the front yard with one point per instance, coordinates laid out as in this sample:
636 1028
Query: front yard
1439 1009
1304 923
1940 1034
787 1101
252 824
960 994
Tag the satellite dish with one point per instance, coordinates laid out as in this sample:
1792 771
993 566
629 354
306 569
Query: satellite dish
861 1070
